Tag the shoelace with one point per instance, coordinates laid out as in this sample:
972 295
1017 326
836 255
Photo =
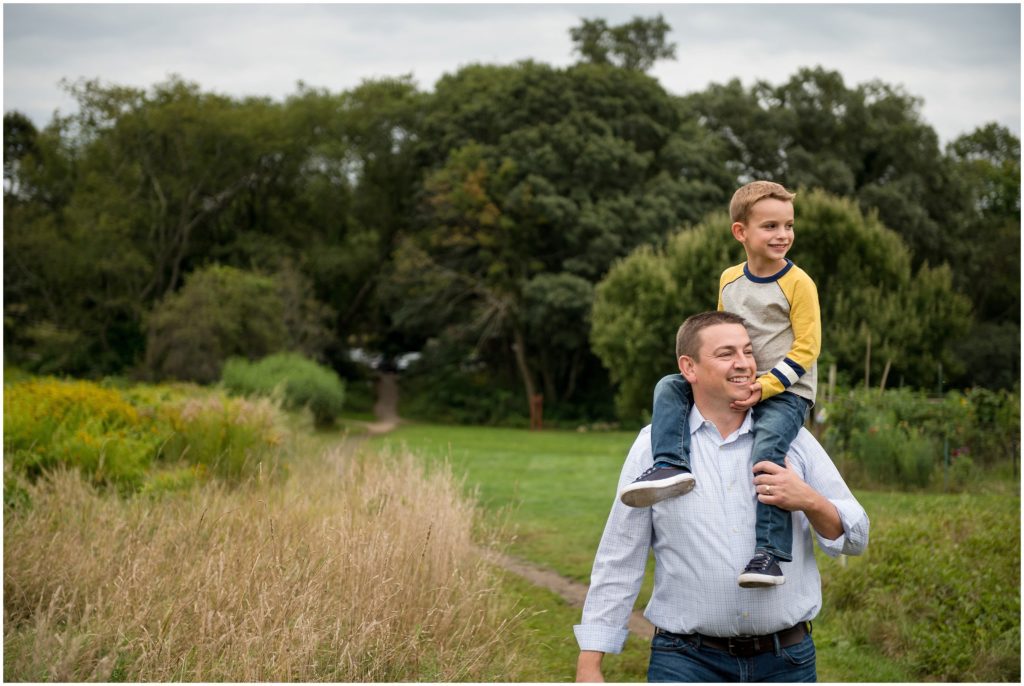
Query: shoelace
649 470
760 562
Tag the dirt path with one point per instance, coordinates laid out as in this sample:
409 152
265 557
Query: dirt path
573 592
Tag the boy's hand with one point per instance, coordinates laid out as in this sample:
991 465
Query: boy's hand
753 399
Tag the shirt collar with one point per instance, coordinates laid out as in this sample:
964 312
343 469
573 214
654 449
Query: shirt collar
697 421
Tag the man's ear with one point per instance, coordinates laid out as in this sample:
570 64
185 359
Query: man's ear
687 367
739 231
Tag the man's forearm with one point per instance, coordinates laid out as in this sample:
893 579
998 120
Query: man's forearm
588 666
824 517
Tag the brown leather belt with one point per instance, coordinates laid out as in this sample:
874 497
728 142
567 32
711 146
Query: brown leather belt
745 646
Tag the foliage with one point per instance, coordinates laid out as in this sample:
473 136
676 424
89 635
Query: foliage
483 213
634 45
903 438
938 588
538 178
865 290
301 382
149 437
219 313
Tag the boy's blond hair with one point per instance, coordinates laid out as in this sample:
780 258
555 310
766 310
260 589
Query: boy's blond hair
744 198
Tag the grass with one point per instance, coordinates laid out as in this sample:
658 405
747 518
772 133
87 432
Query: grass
936 597
559 483
365 574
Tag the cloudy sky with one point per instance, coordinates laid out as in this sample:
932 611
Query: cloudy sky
962 60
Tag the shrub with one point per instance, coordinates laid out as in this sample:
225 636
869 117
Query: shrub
938 588
232 437
896 438
301 382
219 312
80 425
116 438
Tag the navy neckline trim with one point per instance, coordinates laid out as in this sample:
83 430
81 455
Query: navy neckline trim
768 279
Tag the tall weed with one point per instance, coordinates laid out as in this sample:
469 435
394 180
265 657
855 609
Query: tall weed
122 438
362 571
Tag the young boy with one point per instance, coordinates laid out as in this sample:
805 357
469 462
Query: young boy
779 301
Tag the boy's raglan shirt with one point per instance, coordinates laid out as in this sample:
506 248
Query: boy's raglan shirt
784 321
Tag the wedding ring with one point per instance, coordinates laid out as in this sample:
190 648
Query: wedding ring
767 490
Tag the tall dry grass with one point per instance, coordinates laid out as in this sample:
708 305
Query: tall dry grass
356 569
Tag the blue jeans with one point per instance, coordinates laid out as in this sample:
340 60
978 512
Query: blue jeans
777 421
675 659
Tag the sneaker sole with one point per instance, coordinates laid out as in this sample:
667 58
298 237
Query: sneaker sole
760 580
645 495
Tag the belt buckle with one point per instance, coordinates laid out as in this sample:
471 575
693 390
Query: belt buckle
742 646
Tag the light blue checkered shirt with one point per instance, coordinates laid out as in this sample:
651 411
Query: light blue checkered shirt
704 539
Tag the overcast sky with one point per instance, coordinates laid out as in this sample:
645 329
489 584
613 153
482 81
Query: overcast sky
962 60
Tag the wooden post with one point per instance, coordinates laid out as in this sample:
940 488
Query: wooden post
885 374
867 363
831 383
536 412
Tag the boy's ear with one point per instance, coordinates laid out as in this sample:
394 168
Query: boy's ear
687 367
739 231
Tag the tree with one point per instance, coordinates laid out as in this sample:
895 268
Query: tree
987 169
635 45
220 312
542 177
868 142
868 288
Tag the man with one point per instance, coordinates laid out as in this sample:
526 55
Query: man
708 628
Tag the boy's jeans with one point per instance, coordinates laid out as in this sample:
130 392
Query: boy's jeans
777 421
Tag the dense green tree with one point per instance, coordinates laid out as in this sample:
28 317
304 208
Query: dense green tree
867 287
541 176
637 44
220 312
986 261
868 142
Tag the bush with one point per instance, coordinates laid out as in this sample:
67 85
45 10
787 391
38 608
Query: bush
125 439
220 312
301 382
77 424
897 438
938 588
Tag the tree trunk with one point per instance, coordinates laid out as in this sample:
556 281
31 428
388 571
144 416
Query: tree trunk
519 348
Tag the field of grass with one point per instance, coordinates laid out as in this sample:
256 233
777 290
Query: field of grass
936 597
352 570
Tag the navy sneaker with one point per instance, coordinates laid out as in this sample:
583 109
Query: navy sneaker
762 571
656 484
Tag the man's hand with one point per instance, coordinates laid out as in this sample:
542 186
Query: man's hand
588 667
753 399
783 488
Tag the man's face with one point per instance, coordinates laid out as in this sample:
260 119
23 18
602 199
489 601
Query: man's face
725 367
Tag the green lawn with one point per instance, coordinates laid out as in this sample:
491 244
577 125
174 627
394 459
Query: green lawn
558 484
936 597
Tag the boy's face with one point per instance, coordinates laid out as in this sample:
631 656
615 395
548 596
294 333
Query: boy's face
767 235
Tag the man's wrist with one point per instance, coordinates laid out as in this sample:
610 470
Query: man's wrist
588 666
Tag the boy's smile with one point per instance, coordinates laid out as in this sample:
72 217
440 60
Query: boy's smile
767 235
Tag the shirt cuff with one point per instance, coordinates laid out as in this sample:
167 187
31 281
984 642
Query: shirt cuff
853 540
604 639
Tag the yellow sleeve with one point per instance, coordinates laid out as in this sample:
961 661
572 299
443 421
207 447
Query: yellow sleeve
727 277
805 317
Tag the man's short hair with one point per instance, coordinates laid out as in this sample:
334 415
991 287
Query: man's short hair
688 336
746 196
